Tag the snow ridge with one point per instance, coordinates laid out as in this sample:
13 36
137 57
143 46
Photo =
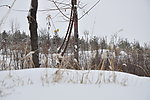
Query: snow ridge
37 79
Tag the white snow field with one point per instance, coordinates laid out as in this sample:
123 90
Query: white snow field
63 84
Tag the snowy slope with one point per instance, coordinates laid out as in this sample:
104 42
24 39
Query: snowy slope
55 84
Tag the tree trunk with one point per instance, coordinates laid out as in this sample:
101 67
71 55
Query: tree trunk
75 30
33 32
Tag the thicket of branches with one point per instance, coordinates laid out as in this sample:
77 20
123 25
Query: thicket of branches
95 53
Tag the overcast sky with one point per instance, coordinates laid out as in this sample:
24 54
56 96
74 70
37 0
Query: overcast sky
107 18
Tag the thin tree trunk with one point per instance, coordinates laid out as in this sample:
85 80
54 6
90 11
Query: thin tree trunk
33 32
74 3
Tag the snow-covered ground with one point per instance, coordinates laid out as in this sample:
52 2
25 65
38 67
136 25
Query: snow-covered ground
55 84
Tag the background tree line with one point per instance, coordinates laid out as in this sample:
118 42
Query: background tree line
95 53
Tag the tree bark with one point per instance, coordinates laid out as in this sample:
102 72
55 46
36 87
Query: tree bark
33 32
74 2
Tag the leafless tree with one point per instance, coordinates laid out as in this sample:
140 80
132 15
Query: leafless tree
33 31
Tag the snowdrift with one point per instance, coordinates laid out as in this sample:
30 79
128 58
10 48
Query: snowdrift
64 84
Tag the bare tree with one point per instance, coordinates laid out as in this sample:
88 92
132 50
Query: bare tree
33 31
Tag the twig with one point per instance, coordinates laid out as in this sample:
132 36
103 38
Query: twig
5 6
61 3
60 10
89 9
6 16
42 10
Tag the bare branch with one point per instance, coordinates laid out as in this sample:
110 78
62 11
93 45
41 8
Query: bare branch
6 16
89 9
5 6
61 3
60 9
68 30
